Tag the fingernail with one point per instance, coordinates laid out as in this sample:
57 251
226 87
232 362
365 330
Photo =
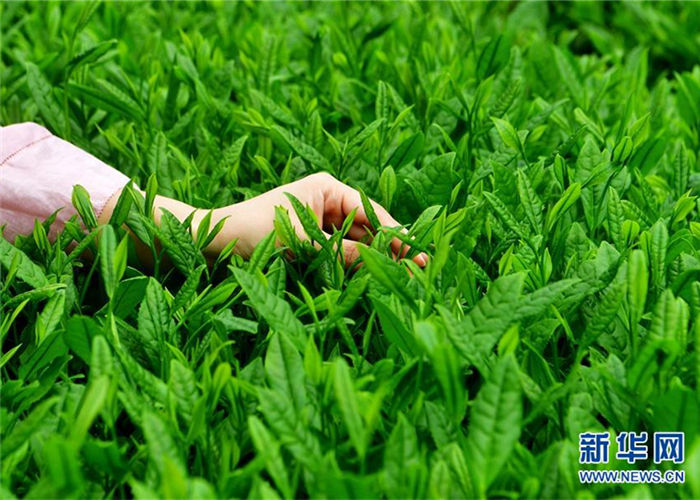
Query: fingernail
423 258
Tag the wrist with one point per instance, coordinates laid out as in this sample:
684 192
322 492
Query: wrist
105 214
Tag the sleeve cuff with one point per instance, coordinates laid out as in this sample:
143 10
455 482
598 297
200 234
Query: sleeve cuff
37 174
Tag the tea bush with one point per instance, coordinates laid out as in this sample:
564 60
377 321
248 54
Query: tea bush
544 155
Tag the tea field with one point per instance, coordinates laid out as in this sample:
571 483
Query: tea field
544 155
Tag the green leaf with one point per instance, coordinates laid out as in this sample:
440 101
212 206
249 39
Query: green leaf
281 417
179 245
381 104
479 331
681 171
655 242
310 223
81 202
151 193
670 319
188 289
369 210
494 423
447 368
275 310
64 472
161 448
530 201
231 157
493 56
505 215
157 162
262 253
587 122
606 309
7 356
43 96
101 362
406 152
394 328
275 110
26 270
615 217
388 273
183 387
285 370
570 77
387 186
108 262
307 152
637 284
676 409
442 429
434 182
128 295
90 55
401 460
48 320
230 323
92 403
269 450
349 407
108 97
285 231
508 135
363 135
154 322
540 300
566 201
25 428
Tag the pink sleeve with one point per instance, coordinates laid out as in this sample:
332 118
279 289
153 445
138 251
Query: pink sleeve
37 174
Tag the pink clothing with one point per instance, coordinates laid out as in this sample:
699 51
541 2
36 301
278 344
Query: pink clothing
37 174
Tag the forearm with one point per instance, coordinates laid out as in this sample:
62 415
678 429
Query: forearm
181 211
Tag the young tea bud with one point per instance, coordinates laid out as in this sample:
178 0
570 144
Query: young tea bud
622 150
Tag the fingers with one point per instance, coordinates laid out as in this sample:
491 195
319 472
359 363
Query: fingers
350 252
398 247
359 233
340 200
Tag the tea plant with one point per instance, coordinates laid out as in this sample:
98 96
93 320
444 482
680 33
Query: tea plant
545 156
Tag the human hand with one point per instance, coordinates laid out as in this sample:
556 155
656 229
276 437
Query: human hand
331 200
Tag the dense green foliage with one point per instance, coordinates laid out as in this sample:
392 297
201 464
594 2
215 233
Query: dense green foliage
545 156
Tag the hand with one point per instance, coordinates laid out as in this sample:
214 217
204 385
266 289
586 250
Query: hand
331 200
